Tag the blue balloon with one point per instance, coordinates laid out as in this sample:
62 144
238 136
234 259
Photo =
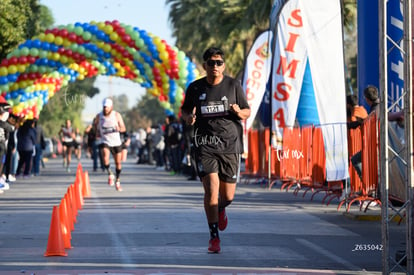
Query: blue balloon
36 43
3 80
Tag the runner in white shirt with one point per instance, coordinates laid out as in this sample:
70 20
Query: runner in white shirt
109 125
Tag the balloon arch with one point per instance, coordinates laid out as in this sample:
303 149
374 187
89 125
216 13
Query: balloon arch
38 68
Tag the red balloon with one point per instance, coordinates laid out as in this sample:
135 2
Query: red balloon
5 62
13 60
76 56
64 33
126 38
23 76
72 37
115 23
55 31
31 59
120 31
22 60
79 40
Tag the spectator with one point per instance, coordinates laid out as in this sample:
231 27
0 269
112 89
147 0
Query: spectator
189 154
40 145
5 129
174 133
355 113
150 145
159 146
372 99
126 142
26 140
141 141
12 156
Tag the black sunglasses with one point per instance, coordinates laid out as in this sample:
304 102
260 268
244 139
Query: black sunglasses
211 63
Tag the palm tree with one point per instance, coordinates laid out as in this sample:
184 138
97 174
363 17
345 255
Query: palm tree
229 24
232 25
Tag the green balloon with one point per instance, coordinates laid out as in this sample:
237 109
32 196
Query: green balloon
24 51
34 68
78 30
70 27
34 52
81 49
43 54
140 43
87 35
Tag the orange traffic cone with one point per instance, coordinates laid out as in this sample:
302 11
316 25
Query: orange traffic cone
69 211
55 245
86 185
64 224
73 203
79 177
78 195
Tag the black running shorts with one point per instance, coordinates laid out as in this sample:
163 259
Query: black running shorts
226 165
114 149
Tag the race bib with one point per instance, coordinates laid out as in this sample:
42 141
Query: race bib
213 108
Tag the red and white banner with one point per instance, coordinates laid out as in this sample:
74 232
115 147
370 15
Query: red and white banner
311 31
256 73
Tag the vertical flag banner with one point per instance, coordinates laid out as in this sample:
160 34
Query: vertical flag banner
368 47
395 66
256 73
308 53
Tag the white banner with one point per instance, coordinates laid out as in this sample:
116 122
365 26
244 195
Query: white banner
311 31
256 73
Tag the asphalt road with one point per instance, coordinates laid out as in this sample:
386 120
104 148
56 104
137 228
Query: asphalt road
157 225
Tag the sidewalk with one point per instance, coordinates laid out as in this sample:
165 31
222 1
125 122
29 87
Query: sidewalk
157 225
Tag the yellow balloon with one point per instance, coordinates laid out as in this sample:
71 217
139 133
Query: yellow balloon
63 59
66 43
114 36
101 25
58 40
23 84
12 69
108 29
21 68
14 87
50 37
164 56
3 71
107 48
29 115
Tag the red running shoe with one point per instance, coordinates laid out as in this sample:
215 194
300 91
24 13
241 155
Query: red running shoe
111 179
214 245
118 186
222 224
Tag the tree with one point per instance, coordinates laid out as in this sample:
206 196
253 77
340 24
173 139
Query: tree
121 103
67 103
147 112
21 20
229 24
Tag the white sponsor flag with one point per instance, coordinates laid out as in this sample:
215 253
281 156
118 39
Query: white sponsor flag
256 73
311 31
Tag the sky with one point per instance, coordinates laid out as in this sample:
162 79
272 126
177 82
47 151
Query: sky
151 16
